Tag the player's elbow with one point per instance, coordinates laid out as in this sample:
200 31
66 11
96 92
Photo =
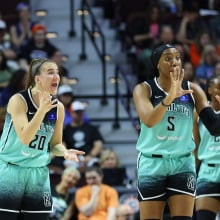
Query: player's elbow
148 123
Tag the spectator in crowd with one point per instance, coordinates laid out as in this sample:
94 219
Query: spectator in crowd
190 23
196 48
189 71
7 47
63 193
109 159
20 31
16 83
206 68
39 47
96 200
57 56
142 31
208 180
5 71
83 136
152 27
167 35
152 33
66 96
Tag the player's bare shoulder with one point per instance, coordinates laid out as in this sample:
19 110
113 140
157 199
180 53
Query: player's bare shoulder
16 103
141 89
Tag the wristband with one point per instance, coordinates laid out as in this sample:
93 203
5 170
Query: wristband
164 104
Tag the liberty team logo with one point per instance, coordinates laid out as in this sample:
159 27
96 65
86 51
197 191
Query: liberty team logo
191 182
47 199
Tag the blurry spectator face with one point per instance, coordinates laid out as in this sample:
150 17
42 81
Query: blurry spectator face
166 35
69 178
66 99
40 36
58 58
93 178
77 116
110 161
39 33
188 71
205 39
210 55
24 13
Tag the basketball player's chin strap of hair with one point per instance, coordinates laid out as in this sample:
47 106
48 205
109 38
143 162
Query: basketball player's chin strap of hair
211 120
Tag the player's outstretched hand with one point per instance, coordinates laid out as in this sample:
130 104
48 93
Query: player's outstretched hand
72 154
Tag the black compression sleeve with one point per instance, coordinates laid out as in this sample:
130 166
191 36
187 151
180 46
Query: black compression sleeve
211 120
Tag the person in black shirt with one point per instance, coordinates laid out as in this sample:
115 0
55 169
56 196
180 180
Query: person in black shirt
83 136
39 47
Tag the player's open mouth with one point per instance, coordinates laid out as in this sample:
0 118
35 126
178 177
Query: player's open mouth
54 85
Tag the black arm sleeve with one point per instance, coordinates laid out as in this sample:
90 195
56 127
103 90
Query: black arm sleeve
211 120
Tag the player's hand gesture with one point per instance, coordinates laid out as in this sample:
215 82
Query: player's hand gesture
72 154
46 102
176 89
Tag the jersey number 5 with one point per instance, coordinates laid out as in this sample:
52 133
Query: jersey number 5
170 126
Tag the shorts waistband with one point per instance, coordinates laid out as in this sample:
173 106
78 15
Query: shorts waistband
6 162
166 156
12 164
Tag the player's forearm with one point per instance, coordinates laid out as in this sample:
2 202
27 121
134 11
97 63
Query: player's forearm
29 131
58 150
